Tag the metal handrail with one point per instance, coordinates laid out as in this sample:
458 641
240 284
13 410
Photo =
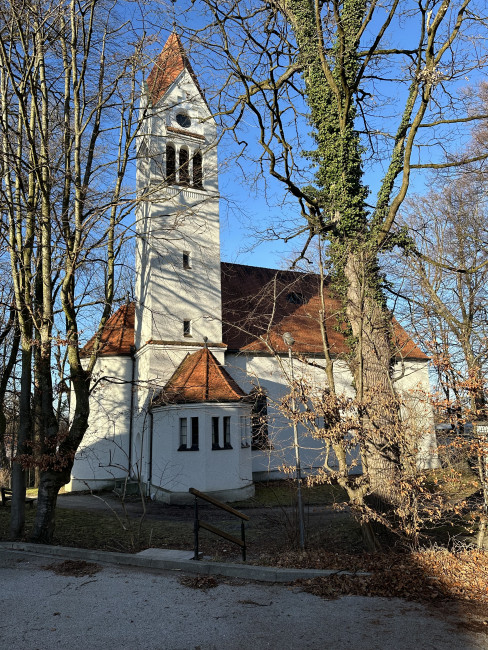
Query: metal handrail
213 529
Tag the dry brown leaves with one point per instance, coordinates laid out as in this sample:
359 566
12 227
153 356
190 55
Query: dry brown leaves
423 576
76 568
199 582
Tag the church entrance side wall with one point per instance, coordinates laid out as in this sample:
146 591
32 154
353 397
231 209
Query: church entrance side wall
103 455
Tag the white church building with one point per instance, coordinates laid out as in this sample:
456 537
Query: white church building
190 375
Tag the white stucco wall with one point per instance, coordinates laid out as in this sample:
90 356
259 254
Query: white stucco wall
412 380
103 454
226 472
272 374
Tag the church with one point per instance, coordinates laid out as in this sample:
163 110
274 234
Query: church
190 375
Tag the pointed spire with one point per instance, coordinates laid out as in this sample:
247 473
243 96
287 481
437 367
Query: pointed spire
167 68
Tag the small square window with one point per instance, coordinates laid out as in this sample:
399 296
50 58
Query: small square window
187 328
186 260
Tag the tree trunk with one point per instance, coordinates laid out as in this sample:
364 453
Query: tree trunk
61 461
370 322
50 484
17 512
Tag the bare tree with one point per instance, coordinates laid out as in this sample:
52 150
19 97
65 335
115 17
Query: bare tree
69 121
447 307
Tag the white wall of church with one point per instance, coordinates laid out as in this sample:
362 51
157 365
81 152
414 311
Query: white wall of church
271 374
103 454
226 472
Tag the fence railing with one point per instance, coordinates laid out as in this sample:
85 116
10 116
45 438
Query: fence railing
213 529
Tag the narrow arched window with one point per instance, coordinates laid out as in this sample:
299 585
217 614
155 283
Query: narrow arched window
170 164
184 166
197 170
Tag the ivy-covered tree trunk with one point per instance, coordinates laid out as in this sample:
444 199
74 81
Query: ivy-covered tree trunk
340 195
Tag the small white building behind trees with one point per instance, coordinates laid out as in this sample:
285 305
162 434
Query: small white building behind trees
190 375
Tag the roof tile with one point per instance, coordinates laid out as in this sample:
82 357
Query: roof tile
260 303
118 335
200 378
168 67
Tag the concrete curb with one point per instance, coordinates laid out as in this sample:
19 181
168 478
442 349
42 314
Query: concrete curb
166 560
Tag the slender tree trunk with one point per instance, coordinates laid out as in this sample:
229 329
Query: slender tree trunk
17 513
7 374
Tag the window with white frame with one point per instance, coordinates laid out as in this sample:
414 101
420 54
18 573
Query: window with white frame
194 433
259 420
244 427
184 166
183 434
226 428
198 170
170 164
187 328
189 439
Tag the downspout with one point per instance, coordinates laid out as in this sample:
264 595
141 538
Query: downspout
149 478
131 416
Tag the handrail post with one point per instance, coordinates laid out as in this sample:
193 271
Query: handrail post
216 531
196 555
243 537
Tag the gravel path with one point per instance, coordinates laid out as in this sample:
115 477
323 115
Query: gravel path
120 608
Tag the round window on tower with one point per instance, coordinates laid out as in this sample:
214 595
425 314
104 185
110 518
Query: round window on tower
183 120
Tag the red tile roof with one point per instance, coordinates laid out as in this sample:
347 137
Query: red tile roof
118 334
259 302
263 302
168 67
200 378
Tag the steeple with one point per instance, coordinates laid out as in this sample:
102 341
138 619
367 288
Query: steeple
178 249
167 68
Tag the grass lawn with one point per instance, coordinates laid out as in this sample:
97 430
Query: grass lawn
272 529
274 494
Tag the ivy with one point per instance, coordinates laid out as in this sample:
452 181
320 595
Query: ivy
340 192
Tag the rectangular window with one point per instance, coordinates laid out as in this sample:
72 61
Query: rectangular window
227 444
186 260
187 328
183 433
215 433
244 426
194 433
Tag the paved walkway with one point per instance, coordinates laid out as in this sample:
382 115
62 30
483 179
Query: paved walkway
125 608
173 560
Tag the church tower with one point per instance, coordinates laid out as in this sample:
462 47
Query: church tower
178 292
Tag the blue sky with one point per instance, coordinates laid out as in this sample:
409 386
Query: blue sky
245 209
